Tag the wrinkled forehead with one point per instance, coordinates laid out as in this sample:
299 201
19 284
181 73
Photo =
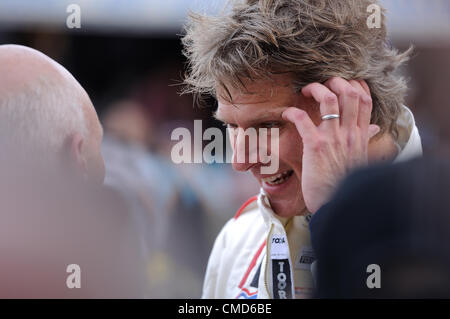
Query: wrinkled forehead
254 90
251 110
262 100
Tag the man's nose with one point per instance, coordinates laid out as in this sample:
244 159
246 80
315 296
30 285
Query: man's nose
242 167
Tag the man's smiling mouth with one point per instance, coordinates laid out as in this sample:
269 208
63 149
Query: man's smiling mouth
278 179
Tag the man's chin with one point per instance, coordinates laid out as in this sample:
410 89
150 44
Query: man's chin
286 208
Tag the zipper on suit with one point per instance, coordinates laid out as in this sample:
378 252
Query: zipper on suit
267 263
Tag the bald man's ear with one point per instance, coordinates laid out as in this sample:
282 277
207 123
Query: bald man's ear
76 155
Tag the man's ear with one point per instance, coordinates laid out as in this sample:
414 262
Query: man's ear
76 156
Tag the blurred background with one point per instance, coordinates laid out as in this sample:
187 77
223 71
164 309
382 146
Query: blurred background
127 55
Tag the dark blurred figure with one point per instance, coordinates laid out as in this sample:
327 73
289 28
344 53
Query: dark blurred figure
397 217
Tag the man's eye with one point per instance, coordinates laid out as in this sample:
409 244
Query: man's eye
270 125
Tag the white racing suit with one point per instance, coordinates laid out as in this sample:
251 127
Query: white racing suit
258 254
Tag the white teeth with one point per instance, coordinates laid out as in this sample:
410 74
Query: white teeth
272 178
282 177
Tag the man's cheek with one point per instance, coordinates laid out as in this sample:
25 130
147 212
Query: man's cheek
291 152
269 151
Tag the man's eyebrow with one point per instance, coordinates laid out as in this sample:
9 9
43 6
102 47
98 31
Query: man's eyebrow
269 116
274 115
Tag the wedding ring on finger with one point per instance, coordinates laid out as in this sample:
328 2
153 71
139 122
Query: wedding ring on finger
330 117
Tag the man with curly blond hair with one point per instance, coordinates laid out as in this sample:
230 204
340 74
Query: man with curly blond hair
328 80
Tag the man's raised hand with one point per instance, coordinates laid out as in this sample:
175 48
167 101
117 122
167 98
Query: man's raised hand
336 145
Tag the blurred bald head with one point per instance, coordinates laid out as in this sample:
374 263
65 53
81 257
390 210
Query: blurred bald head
46 115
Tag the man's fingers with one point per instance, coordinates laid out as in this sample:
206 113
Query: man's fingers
365 87
365 105
348 100
328 102
302 121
